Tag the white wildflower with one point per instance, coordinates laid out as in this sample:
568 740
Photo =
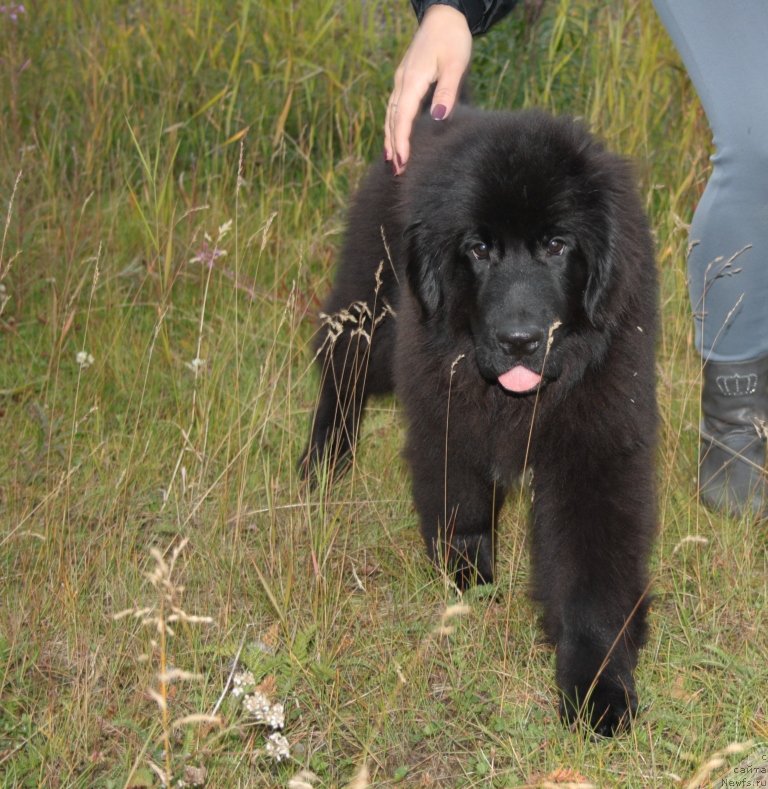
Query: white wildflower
241 681
84 359
277 747
258 706
196 365
276 717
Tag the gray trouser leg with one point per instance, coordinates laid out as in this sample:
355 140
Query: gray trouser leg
723 45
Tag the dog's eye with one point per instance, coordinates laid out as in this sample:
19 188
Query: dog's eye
481 251
556 247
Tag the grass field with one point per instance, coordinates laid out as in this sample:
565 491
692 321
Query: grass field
173 185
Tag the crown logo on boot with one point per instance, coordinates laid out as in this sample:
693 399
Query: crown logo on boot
737 385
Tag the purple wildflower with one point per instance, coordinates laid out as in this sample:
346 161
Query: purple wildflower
208 254
13 11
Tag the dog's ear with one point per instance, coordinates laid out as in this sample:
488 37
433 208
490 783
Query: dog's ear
598 282
601 251
423 269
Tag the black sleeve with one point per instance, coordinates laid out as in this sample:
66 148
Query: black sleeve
481 14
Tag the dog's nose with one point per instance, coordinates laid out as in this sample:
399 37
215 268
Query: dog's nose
520 340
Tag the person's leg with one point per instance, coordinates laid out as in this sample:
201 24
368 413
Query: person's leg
723 47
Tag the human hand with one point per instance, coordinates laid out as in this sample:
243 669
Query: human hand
440 53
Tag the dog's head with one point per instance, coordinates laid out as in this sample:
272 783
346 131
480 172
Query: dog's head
514 232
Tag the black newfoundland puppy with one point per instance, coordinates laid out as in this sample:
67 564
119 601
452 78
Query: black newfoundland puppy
505 288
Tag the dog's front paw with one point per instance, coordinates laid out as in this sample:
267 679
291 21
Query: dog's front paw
470 560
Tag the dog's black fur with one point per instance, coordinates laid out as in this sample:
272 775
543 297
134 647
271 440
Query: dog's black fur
513 242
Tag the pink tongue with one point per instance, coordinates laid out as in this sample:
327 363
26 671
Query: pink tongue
519 379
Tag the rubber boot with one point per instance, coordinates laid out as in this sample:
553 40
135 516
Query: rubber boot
734 404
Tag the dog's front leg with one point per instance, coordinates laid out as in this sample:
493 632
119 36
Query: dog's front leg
594 520
456 501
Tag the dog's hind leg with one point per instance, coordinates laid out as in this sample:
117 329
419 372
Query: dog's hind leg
355 358
356 340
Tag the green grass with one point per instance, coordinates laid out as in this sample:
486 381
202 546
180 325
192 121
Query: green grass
130 131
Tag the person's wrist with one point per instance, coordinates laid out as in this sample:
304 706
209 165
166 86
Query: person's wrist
441 13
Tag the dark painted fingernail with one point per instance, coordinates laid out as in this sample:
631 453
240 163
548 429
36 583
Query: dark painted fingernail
438 112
